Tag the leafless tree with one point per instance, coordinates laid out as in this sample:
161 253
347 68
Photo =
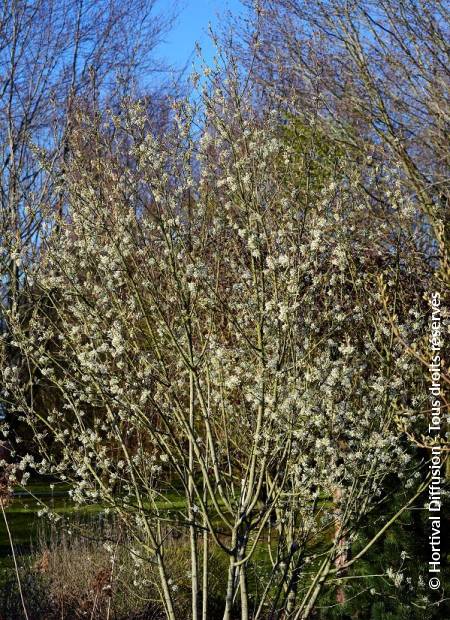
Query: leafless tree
378 71
51 53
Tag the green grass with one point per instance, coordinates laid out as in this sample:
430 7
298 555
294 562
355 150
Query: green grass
23 519
22 514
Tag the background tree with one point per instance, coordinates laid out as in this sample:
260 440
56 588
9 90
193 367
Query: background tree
374 77
52 54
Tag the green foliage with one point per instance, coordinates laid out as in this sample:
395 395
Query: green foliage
403 553
317 156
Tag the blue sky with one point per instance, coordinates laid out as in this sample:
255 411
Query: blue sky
192 26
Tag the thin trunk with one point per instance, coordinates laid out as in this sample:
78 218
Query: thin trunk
293 586
205 551
16 568
305 610
230 590
165 586
205 576
244 591
194 568
341 550
292 569
231 580
192 515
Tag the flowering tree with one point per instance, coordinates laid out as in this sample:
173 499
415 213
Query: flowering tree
51 54
207 320
375 75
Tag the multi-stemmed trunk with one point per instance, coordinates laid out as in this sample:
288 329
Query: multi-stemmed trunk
237 574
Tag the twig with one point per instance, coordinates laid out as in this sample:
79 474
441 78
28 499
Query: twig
14 559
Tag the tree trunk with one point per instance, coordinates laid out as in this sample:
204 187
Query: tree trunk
341 556
191 512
